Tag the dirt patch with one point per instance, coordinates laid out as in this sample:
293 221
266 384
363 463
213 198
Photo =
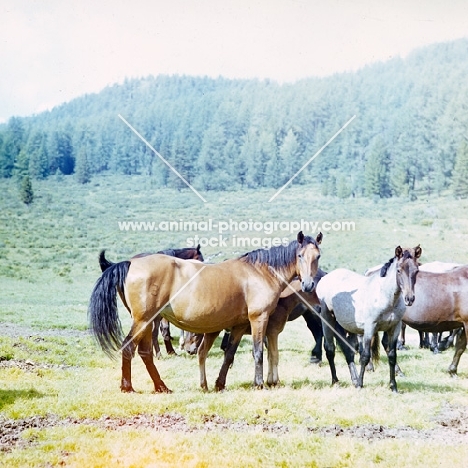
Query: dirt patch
13 330
29 366
11 430
451 427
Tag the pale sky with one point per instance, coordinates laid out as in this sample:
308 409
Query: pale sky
54 50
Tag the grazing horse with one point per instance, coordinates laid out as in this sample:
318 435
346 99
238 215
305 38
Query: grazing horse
364 305
186 253
202 298
442 305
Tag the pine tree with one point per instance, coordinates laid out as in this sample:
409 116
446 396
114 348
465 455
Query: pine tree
82 172
26 191
376 172
38 155
460 172
342 188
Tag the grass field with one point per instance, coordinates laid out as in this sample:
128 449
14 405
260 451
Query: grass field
60 403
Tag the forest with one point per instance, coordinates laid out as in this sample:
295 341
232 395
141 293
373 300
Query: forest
409 134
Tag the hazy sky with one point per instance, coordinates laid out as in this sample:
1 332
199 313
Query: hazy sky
54 50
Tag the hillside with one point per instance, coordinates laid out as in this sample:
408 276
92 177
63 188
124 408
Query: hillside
406 139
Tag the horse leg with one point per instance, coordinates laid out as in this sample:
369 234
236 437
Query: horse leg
392 356
146 353
230 347
402 340
460 346
225 341
348 345
328 327
365 354
181 339
315 326
205 346
434 343
258 324
166 334
385 344
155 335
128 351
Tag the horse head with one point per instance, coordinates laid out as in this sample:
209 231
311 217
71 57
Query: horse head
307 258
407 270
198 255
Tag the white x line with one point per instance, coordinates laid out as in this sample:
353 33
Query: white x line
168 164
312 158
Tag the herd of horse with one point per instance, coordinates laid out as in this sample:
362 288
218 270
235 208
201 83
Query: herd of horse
258 292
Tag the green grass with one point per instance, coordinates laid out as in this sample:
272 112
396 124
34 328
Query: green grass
48 266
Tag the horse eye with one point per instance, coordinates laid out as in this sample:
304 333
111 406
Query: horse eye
299 255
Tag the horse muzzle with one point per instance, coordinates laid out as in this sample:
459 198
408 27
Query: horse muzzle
307 285
409 300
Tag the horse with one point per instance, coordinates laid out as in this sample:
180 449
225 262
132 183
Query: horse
310 311
435 343
364 305
185 253
287 303
202 298
442 305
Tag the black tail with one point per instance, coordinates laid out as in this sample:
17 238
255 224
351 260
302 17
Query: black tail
103 262
103 314
375 349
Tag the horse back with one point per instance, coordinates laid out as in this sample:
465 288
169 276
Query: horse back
441 300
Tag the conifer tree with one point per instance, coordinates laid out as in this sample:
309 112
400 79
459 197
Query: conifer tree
26 190
460 172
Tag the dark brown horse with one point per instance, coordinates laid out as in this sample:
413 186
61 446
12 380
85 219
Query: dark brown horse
196 297
186 253
442 305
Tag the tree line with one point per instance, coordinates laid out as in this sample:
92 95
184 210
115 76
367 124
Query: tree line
409 134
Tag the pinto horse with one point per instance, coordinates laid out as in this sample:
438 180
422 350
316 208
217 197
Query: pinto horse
202 298
186 253
364 305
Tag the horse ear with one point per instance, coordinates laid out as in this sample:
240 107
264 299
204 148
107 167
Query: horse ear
417 251
300 237
319 238
198 248
398 252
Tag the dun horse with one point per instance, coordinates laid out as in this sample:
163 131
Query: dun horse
196 297
289 299
186 253
364 305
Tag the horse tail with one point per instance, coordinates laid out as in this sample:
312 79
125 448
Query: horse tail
103 262
375 348
103 315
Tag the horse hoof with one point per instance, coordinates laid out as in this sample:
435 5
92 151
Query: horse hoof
162 389
315 360
219 388
127 390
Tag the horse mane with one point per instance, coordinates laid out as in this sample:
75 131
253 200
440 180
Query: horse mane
386 266
277 256
170 252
